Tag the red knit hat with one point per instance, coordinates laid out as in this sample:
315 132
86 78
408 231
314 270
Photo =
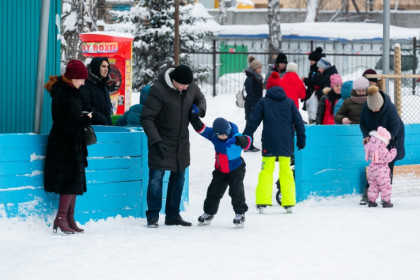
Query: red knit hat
75 69
273 80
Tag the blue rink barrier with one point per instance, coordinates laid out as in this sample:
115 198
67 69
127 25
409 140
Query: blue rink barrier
331 164
333 161
117 176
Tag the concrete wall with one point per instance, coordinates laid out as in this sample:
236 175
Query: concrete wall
259 16
117 176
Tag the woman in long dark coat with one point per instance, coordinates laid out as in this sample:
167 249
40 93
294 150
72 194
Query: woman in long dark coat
65 160
380 111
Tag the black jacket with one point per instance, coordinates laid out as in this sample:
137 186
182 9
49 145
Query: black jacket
253 87
95 94
322 81
165 117
65 160
388 118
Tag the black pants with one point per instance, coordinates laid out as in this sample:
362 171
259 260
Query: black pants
218 186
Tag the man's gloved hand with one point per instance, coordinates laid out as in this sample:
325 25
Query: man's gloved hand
242 141
160 148
301 147
197 111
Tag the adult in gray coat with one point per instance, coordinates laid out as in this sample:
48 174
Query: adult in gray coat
165 120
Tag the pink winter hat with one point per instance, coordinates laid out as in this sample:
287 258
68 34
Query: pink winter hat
335 80
381 134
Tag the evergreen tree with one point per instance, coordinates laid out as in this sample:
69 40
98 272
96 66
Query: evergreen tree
152 24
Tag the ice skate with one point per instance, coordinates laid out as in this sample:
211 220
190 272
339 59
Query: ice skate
288 209
239 220
372 204
205 219
261 208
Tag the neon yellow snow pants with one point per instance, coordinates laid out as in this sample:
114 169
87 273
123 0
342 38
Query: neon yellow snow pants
264 188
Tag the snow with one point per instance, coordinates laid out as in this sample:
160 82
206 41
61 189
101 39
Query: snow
327 30
324 238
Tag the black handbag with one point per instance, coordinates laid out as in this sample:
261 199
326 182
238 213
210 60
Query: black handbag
89 136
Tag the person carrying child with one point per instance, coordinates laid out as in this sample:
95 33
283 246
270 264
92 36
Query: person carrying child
280 119
378 170
229 167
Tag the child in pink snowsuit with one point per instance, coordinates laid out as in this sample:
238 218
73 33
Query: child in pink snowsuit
378 170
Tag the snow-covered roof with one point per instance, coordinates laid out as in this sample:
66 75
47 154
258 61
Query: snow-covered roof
112 34
339 31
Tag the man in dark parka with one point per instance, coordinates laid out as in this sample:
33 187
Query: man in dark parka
95 92
165 120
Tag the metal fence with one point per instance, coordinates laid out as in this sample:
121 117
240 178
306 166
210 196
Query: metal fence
229 57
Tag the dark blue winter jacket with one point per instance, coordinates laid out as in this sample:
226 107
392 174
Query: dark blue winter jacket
388 118
280 117
228 157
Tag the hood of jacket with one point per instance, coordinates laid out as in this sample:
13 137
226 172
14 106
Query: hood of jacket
276 93
251 73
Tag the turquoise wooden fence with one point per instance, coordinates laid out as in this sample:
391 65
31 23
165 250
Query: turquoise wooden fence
333 161
117 176
332 164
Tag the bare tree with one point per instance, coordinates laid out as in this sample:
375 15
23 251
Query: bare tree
222 12
273 18
78 16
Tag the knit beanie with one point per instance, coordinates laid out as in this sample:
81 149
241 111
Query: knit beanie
182 74
381 134
221 126
361 83
75 69
292 67
335 80
346 89
370 71
374 99
281 58
324 63
255 64
316 54
273 80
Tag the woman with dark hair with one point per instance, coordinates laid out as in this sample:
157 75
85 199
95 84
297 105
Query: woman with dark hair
254 90
65 160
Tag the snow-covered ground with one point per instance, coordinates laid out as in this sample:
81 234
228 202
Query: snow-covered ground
325 238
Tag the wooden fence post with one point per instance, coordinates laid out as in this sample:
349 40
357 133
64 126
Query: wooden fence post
397 83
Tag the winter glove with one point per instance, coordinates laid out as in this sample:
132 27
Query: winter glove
230 141
301 147
160 148
195 118
197 111
242 141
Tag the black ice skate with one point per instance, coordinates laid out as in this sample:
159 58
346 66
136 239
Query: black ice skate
387 204
239 220
205 219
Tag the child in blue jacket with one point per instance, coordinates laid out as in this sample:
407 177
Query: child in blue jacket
229 167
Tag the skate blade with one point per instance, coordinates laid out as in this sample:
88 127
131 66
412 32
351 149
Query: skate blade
204 223
241 225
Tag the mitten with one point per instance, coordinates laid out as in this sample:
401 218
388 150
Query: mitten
230 141
242 141
160 148
301 147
